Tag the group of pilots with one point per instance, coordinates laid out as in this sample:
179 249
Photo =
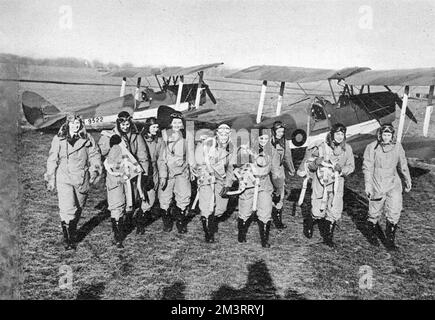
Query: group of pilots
156 168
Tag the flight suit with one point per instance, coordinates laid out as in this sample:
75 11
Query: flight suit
173 165
285 163
381 167
70 166
265 190
214 169
153 146
116 192
342 155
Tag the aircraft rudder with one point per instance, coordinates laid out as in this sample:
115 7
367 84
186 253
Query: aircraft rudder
35 107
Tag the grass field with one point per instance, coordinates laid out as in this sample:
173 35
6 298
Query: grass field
161 265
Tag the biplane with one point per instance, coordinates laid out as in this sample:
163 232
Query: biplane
183 97
361 110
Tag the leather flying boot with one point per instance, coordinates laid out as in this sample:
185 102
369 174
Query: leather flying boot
179 216
117 226
308 225
243 229
168 223
212 223
128 221
73 231
68 243
390 235
264 229
323 227
184 220
205 227
329 229
142 219
277 218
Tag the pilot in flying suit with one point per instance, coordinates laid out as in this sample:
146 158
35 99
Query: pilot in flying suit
213 158
330 162
74 162
118 194
255 178
150 133
285 163
174 175
383 160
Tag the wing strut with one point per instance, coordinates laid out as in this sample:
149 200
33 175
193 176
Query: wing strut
261 103
199 90
332 91
429 110
180 90
402 114
137 91
122 92
281 94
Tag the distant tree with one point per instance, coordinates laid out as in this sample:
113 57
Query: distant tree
112 66
127 65
97 64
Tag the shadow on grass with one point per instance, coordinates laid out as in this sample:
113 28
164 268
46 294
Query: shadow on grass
91 291
92 223
259 286
174 291
357 208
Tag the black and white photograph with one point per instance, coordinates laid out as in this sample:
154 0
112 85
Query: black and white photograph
217 150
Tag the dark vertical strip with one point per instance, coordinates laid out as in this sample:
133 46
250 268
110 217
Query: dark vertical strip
9 190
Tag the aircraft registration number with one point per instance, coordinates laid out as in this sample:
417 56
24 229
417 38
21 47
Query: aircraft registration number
94 120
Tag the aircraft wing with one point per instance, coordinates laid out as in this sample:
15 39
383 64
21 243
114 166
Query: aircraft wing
293 74
42 114
133 72
415 146
182 71
394 77
164 72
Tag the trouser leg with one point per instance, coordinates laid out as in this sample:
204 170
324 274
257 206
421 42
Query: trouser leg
67 202
144 214
244 215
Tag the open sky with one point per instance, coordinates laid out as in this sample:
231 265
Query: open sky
330 34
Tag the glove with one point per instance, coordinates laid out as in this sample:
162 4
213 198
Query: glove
50 182
163 183
338 168
408 186
224 191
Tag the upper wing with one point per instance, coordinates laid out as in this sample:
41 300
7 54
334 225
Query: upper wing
133 72
182 71
394 77
415 147
293 74
164 72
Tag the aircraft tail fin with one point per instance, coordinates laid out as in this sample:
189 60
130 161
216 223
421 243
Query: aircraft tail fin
38 111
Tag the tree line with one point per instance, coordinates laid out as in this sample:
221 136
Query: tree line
84 63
